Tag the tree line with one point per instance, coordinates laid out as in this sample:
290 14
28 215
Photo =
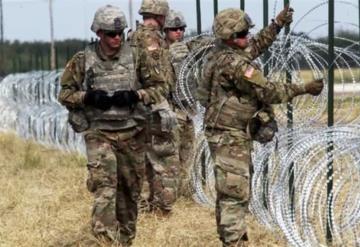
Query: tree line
19 56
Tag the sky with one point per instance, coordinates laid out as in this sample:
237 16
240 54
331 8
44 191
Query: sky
28 20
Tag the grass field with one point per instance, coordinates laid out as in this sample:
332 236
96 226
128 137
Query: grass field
44 202
340 75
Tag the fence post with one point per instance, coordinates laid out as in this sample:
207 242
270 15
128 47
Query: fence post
215 7
265 24
198 16
330 148
290 119
266 70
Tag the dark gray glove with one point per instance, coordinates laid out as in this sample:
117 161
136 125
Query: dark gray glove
314 87
125 98
285 17
98 99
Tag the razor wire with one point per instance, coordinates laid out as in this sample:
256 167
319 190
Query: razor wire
28 106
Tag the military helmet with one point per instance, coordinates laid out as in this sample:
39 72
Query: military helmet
174 19
109 18
155 7
230 21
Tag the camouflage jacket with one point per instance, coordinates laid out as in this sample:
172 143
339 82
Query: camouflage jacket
73 88
108 74
153 68
236 88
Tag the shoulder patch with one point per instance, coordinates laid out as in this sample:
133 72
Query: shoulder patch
153 47
249 72
254 76
73 62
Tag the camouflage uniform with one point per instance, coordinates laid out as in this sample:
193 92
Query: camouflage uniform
153 70
185 139
114 138
236 90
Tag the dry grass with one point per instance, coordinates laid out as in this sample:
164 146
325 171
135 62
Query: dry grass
346 109
44 202
346 75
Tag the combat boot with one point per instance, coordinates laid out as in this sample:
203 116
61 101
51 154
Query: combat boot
144 206
161 213
242 242
125 241
239 243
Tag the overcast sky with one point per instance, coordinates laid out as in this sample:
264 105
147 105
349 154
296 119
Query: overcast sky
28 20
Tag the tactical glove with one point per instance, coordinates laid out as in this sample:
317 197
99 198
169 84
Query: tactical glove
167 116
125 98
285 17
314 87
98 99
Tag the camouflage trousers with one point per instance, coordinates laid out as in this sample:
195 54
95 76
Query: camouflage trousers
185 141
231 151
162 165
116 172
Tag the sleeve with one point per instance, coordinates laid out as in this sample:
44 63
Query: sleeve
155 70
266 91
199 41
262 40
178 51
71 93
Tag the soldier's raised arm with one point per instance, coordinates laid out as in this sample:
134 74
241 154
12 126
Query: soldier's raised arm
265 37
272 92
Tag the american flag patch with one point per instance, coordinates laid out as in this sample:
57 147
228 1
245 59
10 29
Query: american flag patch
249 71
152 47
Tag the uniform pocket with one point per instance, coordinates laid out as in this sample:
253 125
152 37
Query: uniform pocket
94 178
78 120
231 184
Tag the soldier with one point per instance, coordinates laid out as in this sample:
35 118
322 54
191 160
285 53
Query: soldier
153 69
99 89
174 29
236 90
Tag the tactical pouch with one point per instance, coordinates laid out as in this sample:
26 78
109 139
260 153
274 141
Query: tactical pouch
78 120
168 120
262 127
162 114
